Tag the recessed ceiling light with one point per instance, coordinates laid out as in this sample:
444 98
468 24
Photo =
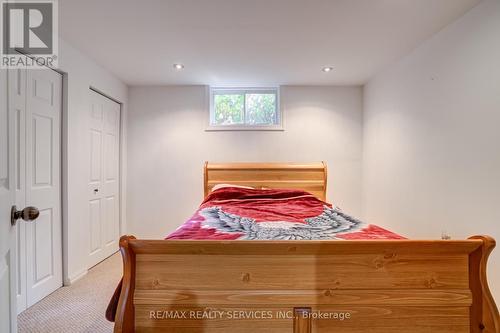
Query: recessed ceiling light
178 66
327 69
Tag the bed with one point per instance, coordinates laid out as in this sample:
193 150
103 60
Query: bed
216 274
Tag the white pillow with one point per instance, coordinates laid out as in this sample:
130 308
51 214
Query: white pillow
219 186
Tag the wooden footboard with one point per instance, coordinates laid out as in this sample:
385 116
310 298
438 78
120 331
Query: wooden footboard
306 286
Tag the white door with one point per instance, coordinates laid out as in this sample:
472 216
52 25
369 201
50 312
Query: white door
7 199
43 183
104 175
36 100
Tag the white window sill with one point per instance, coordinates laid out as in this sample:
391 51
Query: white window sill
243 128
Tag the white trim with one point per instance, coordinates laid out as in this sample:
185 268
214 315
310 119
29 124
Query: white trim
211 91
213 128
64 176
75 277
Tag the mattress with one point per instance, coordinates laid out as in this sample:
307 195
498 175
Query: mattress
233 213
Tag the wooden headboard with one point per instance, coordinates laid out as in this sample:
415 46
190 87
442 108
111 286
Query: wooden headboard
310 177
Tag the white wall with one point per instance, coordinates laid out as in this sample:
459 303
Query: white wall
431 160
82 73
167 146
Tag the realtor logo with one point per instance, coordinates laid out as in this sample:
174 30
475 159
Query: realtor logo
29 34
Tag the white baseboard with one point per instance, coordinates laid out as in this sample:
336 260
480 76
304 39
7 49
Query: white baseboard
75 277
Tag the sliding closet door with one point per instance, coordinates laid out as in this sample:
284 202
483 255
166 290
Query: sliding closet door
104 175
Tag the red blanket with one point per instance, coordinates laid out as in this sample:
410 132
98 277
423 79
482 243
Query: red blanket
235 213
247 214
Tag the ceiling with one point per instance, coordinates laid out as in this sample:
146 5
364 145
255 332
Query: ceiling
251 42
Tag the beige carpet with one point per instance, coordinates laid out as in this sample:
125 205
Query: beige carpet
79 307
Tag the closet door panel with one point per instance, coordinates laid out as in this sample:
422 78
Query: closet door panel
104 176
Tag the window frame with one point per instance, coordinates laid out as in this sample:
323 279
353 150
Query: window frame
244 127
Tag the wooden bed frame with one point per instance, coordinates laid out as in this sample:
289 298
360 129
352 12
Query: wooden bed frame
303 286
310 177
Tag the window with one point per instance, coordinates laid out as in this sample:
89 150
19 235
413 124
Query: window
244 109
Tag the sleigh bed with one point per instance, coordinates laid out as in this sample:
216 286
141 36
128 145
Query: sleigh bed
225 271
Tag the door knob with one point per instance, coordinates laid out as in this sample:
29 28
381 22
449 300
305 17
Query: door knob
28 214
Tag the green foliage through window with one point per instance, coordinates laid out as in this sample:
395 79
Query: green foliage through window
244 108
260 109
229 109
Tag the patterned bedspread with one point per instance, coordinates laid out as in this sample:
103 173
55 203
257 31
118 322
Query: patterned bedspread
232 213
246 214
